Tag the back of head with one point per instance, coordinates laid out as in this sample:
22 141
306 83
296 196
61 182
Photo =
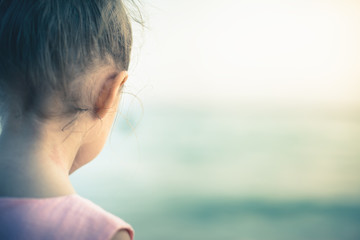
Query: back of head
47 46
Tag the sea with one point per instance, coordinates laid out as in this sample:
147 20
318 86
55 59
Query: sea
238 172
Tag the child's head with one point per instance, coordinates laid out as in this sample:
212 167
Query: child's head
48 48
60 58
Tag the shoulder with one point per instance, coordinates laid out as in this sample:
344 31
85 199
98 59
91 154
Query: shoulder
70 217
121 235
101 221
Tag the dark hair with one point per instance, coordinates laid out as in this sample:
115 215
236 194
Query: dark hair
45 45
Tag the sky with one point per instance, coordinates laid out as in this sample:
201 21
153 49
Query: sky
279 51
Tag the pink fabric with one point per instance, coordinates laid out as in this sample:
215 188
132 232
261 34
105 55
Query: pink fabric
68 217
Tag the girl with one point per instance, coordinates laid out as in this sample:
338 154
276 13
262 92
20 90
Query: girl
63 64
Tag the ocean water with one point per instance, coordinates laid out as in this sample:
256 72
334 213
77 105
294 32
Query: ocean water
250 172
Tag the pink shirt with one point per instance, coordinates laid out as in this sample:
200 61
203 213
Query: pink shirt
67 217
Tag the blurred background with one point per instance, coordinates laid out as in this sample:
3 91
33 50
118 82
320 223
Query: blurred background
240 121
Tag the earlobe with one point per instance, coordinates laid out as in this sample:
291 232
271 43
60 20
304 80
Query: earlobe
109 94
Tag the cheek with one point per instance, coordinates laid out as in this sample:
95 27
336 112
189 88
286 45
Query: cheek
88 151
93 143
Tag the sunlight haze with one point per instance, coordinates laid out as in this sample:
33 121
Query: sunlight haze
297 51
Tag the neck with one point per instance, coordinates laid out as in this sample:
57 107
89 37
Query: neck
33 163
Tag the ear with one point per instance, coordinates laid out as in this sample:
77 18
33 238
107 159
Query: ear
109 94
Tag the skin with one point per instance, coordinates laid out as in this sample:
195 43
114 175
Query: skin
37 159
